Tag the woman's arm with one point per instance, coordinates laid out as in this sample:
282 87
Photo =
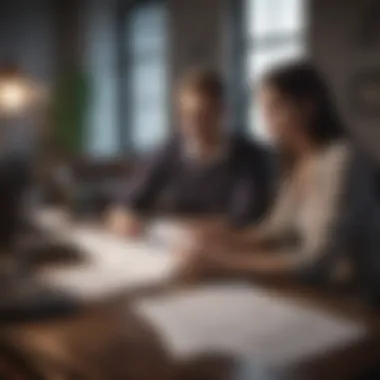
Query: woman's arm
258 262
325 234
206 265
272 230
254 261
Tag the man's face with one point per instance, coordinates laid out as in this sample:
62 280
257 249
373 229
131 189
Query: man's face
200 116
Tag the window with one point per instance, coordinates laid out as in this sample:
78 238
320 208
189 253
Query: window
146 120
100 59
276 34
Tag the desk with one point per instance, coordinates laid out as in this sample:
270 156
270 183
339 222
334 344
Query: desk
108 339
107 266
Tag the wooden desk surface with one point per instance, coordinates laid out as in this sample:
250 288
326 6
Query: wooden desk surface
108 341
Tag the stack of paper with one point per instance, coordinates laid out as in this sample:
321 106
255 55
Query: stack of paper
245 322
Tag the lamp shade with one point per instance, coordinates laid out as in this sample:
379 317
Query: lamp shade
18 93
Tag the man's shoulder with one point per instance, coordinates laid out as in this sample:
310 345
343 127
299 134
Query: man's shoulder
164 151
247 147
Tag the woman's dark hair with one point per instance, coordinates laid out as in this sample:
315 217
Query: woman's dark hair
300 82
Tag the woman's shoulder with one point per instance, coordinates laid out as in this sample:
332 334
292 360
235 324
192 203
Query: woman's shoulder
344 159
339 155
335 163
339 150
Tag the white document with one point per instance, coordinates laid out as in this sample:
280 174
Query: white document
246 322
112 263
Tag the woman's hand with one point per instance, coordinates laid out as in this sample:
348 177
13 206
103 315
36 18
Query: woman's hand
225 240
193 264
204 263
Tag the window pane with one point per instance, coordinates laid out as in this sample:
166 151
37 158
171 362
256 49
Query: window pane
147 81
147 84
147 24
100 58
275 16
148 119
261 61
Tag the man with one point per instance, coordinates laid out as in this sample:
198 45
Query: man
203 171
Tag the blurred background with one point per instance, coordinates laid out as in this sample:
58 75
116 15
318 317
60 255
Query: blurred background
93 80
87 87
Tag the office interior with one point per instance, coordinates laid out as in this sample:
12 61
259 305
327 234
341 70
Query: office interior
87 94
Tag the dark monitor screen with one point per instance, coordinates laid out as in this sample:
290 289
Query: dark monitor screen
14 181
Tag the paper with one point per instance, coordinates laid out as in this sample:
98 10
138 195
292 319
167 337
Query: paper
113 263
245 322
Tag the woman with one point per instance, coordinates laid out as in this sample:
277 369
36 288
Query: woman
323 224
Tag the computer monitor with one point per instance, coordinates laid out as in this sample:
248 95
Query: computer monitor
14 181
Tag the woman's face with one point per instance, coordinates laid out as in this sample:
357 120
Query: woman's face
283 118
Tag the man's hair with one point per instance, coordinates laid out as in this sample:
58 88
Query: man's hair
203 81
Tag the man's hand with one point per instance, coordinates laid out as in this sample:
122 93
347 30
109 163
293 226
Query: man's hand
121 222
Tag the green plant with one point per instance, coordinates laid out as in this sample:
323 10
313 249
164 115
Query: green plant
70 106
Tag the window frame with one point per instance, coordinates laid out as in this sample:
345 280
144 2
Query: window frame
124 88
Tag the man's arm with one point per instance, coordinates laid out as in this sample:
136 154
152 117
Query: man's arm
149 181
125 217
